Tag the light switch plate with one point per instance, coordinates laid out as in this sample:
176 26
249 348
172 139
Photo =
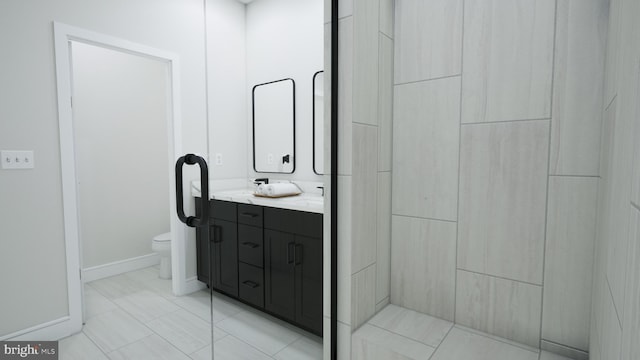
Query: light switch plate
13 159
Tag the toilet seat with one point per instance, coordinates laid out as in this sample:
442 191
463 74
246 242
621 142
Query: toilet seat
162 237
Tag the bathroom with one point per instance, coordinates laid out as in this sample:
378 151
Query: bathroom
485 182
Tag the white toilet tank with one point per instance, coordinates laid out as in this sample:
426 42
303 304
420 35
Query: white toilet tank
161 244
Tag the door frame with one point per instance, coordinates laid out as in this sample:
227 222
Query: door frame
63 36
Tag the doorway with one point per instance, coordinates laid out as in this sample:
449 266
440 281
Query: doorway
95 171
120 104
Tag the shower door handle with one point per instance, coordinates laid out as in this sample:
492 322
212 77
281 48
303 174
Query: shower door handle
193 221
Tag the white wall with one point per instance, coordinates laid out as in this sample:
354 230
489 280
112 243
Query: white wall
226 70
120 120
285 39
31 225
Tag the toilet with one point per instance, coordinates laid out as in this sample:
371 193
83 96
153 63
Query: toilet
161 244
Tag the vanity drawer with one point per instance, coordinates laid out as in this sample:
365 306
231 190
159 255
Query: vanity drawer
250 214
294 222
251 284
223 210
250 245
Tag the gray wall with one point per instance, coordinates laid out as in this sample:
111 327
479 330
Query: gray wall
31 224
120 109
496 128
615 325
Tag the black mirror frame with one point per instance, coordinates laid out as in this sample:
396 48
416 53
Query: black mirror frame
253 122
313 120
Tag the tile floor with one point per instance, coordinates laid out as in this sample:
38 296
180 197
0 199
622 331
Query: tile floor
401 334
136 316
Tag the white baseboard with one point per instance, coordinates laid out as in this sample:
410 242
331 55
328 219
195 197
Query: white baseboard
49 331
119 267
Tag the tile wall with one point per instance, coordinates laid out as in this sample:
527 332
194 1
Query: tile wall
496 136
615 311
365 108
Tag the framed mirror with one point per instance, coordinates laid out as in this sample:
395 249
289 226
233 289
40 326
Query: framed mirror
318 122
274 127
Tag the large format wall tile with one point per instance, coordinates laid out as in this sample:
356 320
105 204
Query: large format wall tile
635 179
571 230
577 90
364 191
613 50
423 265
385 103
344 248
428 37
612 333
365 59
386 17
383 262
507 63
425 148
619 193
363 296
631 326
501 307
345 95
503 181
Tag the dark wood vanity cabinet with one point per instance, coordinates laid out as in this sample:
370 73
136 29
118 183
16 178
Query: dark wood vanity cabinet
270 258
293 266
217 248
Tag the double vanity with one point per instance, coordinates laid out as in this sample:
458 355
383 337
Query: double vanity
265 252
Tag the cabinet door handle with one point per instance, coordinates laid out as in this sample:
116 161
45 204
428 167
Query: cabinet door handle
250 244
250 284
251 215
298 254
217 234
290 252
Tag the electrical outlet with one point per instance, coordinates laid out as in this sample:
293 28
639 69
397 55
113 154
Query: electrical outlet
218 159
17 159
270 160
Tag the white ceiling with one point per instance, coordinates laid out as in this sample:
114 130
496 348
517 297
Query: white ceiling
246 1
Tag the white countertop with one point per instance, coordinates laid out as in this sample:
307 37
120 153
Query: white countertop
304 202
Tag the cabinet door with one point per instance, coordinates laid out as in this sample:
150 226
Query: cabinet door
202 249
308 278
202 252
279 273
224 238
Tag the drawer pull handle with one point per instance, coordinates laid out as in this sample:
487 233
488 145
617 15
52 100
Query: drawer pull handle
250 244
290 252
298 254
251 215
250 284
217 234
